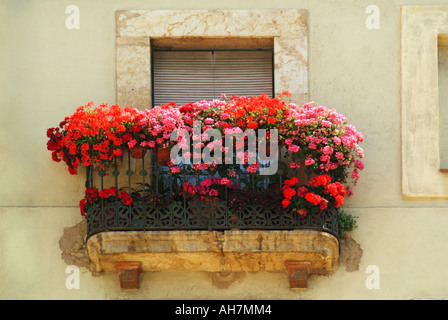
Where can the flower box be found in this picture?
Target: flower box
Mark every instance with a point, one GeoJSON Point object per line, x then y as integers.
{"type": "Point", "coordinates": [248, 166]}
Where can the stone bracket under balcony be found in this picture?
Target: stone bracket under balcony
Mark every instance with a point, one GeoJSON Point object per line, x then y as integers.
{"type": "Point", "coordinates": [299, 253]}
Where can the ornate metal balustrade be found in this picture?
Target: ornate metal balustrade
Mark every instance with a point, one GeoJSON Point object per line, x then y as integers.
{"type": "Point", "coordinates": [157, 205]}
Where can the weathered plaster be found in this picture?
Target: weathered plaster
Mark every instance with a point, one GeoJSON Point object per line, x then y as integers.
{"type": "Point", "coordinates": [74, 247]}
{"type": "Point", "coordinates": [350, 254]}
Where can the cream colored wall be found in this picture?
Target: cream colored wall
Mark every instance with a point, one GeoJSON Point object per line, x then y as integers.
{"type": "Point", "coordinates": [48, 70]}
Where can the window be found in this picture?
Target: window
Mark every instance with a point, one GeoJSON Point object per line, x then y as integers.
{"type": "Point", "coordinates": [422, 102]}
{"type": "Point", "coordinates": [443, 101]}
{"type": "Point", "coordinates": [184, 76]}
{"type": "Point", "coordinates": [140, 32]}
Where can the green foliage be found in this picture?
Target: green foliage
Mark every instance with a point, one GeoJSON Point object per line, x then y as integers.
{"type": "Point", "coordinates": [346, 222]}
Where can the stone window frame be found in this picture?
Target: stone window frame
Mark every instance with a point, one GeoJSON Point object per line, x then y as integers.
{"type": "Point", "coordinates": [137, 29]}
{"type": "Point", "coordinates": [423, 28]}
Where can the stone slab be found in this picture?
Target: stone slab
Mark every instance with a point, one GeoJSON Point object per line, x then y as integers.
{"type": "Point", "coordinates": [215, 251]}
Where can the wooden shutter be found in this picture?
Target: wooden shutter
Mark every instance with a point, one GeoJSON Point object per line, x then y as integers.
{"type": "Point", "coordinates": [188, 76]}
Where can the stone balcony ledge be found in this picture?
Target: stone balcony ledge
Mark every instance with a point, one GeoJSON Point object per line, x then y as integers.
{"type": "Point", "coordinates": [217, 251]}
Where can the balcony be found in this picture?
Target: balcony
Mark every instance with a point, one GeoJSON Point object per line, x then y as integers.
{"type": "Point", "coordinates": [255, 212]}
{"type": "Point", "coordinates": [164, 229]}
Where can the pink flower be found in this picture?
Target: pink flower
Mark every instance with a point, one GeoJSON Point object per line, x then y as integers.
{"type": "Point", "coordinates": [332, 166]}
{"type": "Point", "coordinates": [355, 174]}
{"type": "Point", "coordinates": [132, 143]}
{"type": "Point", "coordinates": [309, 161]}
{"type": "Point", "coordinates": [294, 165]}
{"type": "Point", "coordinates": [150, 144]}
{"type": "Point", "coordinates": [360, 153]}
{"type": "Point", "coordinates": [359, 136]}
{"type": "Point", "coordinates": [339, 155]}
{"type": "Point", "coordinates": [209, 121]}
{"type": "Point", "coordinates": [324, 158]}
{"type": "Point", "coordinates": [293, 148]}
{"type": "Point", "coordinates": [206, 183]}
{"type": "Point", "coordinates": [225, 181]}
{"type": "Point", "coordinates": [337, 140]}
{"type": "Point", "coordinates": [349, 191]}
{"type": "Point", "coordinates": [188, 187]}
{"type": "Point", "coordinates": [328, 150]}
{"type": "Point", "coordinates": [288, 141]}
{"type": "Point", "coordinates": [252, 168]}
{"type": "Point", "coordinates": [175, 169]}
{"type": "Point", "coordinates": [326, 123]}
{"type": "Point", "coordinates": [359, 164]}
{"type": "Point", "coordinates": [225, 116]}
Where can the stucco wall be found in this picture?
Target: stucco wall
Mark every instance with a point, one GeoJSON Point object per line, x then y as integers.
{"type": "Point", "coordinates": [48, 70]}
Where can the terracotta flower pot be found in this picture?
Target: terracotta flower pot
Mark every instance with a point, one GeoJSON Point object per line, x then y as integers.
{"type": "Point", "coordinates": [138, 152]}
{"type": "Point", "coordinates": [163, 156]}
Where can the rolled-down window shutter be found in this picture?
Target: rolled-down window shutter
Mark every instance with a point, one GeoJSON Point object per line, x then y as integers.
{"type": "Point", "coordinates": [189, 76]}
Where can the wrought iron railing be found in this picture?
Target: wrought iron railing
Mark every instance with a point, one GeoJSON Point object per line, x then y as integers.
{"type": "Point", "coordinates": [157, 205]}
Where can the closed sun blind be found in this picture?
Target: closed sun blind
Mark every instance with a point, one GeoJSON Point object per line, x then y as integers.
{"type": "Point", "coordinates": [189, 76]}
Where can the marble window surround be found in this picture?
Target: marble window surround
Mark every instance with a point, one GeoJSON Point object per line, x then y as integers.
{"type": "Point", "coordinates": [423, 29]}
